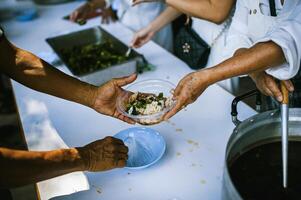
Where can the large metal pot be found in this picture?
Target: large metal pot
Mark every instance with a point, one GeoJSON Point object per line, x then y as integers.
{"type": "Point", "coordinates": [257, 130]}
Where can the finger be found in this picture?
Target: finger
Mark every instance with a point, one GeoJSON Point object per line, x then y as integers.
{"type": "Point", "coordinates": [274, 88]}
{"type": "Point", "coordinates": [124, 118]}
{"type": "Point", "coordinates": [113, 140]}
{"type": "Point", "coordinates": [74, 16]}
{"type": "Point", "coordinates": [173, 111]}
{"type": "Point", "coordinates": [116, 148]}
{"type": "Point", "coordinates": [121, 163]}
{"type": "Point", "coordinates": [115, 156]}
{"type": "Point", "coordinates": [125, 80]}
{"type": "Point", "coordinates": [134, 41]}
{"type": "Point", "coordinates": [137, 2]}
{"type": "Point", "coordinates": [289, 85]}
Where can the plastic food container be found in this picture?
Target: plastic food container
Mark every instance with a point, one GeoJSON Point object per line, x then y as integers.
{"type": "Point", "coordinates": [154, 86]}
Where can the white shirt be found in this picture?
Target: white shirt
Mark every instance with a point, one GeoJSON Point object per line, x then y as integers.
{"type": "Point", "coordinates": [251, 26]}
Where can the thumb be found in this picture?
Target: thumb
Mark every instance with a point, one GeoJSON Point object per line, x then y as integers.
{"type": "Point", "coordinates": [125, 80]}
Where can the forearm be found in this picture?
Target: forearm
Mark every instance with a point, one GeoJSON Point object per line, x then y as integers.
{"type": "Point", "coordinates": [25, 167]}
{"type": "Point", "coordinates": [212, 10]}
{"type": "Point", "coordinates": [167, 16]}
{"type": "Point", "coordinates": [35, 73]}
{"type": "Point", "coordinates": [257, 58]}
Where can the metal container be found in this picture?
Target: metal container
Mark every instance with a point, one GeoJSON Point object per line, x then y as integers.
{"type": "Point", "coordinates": [92, 36]}
{"type": "Point", "coordinates": [260, 129]}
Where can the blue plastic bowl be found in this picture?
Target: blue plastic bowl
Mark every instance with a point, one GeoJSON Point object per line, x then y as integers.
{"type": "Point", "coordinates": [148, 149]}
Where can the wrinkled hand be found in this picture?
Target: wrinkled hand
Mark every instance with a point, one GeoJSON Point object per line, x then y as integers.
{"type": "Point", "coordinates": [82, 12]}
{"type": "Point", "coordinates": [188, 90]}
{"type": "Point", "coordinates": [102, 155]}
{"type": "Point", "coordinates": [141, 37]}
{"type": "Point", "coordinates": [105, 97]}
{"type": "Point", "coordinates": [136, 2]}
{"type": "Point", "coordinates": [268, 85]}
{"type": "Point", "coordinates": [107, 16]}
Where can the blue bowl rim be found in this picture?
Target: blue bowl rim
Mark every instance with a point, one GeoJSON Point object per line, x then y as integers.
{"type": "Point", "coordinates": [153, 131]}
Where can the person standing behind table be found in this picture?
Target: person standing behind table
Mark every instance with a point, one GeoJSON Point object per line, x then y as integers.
{"type": "Point", "coordinates": [19, 167]}
{"type": "Point", "coordinates": [134, 18]}
{"type": "Point", "coordinates": [208, 21]}
{"type": "Point", "coordinates": [254, 23]}
{"type": "Point", "coordinates": [265, 47]}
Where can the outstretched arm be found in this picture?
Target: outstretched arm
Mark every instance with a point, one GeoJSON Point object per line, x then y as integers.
{"type": "Point", "coordinates": [35, 73]}
{"type": "Point", "coordinates": [257, 58]}
{"type": "Point", "coordinates": [144, 35]}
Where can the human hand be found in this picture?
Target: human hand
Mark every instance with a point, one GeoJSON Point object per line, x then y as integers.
{"type": "Point", "coordinates": [142, 36]}
{"type": "Point", "coordinates": [136, 2]}
{"type": "Point", "coordinates": [104, 154]}
{"type": "Point", "coordinates": [188, 90]}
{"type": "Point", "coordinates": [105, 97]}
{"type": "Point", "coordinates": [268, 85]}
{"type": "Point", "coordinates": [107, 16]}
{"type": "Point", "coordinates": [82, 12]}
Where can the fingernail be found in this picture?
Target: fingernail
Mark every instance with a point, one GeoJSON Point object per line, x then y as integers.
{"type": "Point", "coordinates": [279, 98]}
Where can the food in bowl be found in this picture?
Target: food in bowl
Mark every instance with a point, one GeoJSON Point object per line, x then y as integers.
{"type": "Point", "coordinates": [147, 101]}
{"type": "Point", "coordinates": [147, 104]}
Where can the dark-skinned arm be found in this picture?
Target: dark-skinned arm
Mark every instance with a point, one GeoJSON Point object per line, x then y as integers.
{"type": "Point", "coordinates": [28, 69]}
{"type": "Point", "coordinates": [24, 167]}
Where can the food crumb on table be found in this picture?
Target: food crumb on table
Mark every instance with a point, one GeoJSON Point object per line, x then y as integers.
{"type": "Point", "coordinates": [203, 181]}
{"type": "Point", "coordinates": [190, 142]}
{"type": "Point", "coordinates": [179, 130]}
{"type": "Point", "coordinates": [178, 153]}
{"type": "Point", "coordinates": [98, 189]}
{"type": "Point", "coordinates": [193, 165]}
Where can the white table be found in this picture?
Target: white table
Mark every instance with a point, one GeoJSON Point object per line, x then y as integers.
{"type": "Point", "coordinates": [196, 139]}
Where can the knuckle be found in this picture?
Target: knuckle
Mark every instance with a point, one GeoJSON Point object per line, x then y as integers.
{"type": "Point", "coordinates": [109, 139]}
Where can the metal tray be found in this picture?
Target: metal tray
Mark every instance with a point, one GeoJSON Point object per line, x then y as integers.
{"type": "Point", "coordinates": [92, 36]}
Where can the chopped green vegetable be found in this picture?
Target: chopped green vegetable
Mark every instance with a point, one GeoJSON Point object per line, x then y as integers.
{"type": "Point", "coordinates": [90, 58]}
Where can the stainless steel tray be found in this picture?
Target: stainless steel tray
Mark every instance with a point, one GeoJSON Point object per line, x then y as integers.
{"type": "Point", "coordinates": [92, 36]}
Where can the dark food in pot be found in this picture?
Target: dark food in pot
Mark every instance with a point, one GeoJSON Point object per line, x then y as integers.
{"type": "Point", "coordinates": [257, 173]}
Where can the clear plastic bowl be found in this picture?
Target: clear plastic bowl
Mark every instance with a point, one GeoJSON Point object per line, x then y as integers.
{"type": "Point", "coordinates": [154, 86]}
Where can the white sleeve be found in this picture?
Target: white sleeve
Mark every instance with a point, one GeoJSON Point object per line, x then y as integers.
{"type": "Point", "coordinates": [287, 34]}
{"type": "Point", "coordinates": [237, 36]}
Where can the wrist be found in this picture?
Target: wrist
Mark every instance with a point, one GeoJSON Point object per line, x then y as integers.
{"type": "Point", "coordinates": [90, 92]}
{"type": "Point", "coordinates": [77, 161]}
{"type": "Point", "coordinates": [84, 155]}
{"type": "Point", "coordinates": [205, 77]}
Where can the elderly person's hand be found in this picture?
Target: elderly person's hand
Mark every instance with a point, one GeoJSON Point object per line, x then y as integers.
{"type": "Point", "coordinates": [142, 36]}
{"type": "Point", "coordinates": [188, 90]}
{"type": "Point", "coordinates": [105, 97]}
{"type": "Point", "coordinates": [268, 85]}
{"type": "Point", "coordinates": [102, 155]}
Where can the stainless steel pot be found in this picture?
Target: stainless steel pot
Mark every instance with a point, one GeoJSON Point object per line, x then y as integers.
{"type": "Point", "coordinates": [257, 130]}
